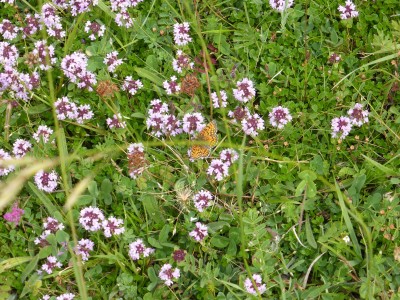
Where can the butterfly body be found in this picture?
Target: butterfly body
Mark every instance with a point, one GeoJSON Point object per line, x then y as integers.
{"type": "Point", "coordinates": [208, 137]}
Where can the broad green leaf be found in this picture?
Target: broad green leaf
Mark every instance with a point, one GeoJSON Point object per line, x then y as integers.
{"type": "Point", "coordinates": [219, 241]}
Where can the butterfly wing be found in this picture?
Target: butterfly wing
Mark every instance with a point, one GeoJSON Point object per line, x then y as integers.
{"type": "Point", "coordinates": [198, 151]}
{"type": "Point", "coordinates": [209, 134]}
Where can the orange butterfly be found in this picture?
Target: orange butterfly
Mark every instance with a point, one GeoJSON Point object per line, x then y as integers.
{"type": "Point", "coordinates": [208, 135]}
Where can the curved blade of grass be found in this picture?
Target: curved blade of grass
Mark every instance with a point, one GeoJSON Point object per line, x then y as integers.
{"type": "Point", "coordinates": [348, 222]}
{"type": "Point", "coordinates": [386, 170]}
{"type": "Point", "coordinates": [13, 262]}
{"type": "Point", "coordinates": [77, 191]}
{"type": "Point", "coordinates": [149, 75]}
{"type": "Point", "coordinates": [44, 199]}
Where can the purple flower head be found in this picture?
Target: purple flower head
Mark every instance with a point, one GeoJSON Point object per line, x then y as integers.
{"type": "Point", "coordinates": [280, 5]}
{"type": "Point", "coordinates": [279, 117]}
{"type": "Point", "coordinates": [221, 101]}
{"type": "Point", "coordinates": [116, 122]}
{"type": "Point", "coordinates": [250, 287]}
{"type": "Point", "coordinates": [83, 113]}
{"type": "Point", "coordinates": [179, 255]}
{"type": "Point", "coordinates": [81, 6]}
{"type": "Point", "coordinates": [62, 4]}
{"type": "Point", "coordinates": [348, 11]}
{"type": "Point", "coordinates": [131, 86]}
{"type": "Point", "coordinates": [137, 249]}
{"type": "Point", "coordinates": [86, 80]}
{"type": "Point", "coordinates": [252, 124]}
{"type": "Point", "coordinates": [65, 108]}
{"type": "Point", "coordinates": [358, 115]}
{"type": "Point", "coordinates": [244, 90]}
{"type": "Point", "coordinates": [83, 248]}
{"type": "Point", "coordinates": [181, 62]}
{"type": "Point", "coordinates": [156, 123]}
{"type": "Point", "coordinates": [21, 148]}
{"type": "Point", "coordinates": [171, 126]}
{"type": "Point", "coordinates": [32, 25]}
{"type": "Point", "coordinates": [52, 225]}
{"type": "Point", "coordinates": [228, 156]}
{"type": "Point", "coordinates": [157, 106]}
{"type": "Point", "coordinates": [8, 30]}
{"type": "Point", "coordinates": [5, 170]}
{"type": "Point", "coordinates": [8, 54]}
{"type": "Point", "coordinates": [50, 265]}
{"type": "Point", "coordinates": [67, 296]}
{"type": "Point", "coordinates": [200, 232]}
{"type": "Point", "coordinates": [94, 29]}
{"type": "Point", "coordinates": [113, 226]}
{"type": "Point", "coordinates": [171, 87]}
{"type": "Point", "coordinates": [73, 65]}
{"type": "Point", "coordinates": [202, 200]}
{"type": "Point", "coordinates": [181, 34]}
{"type": "Point", "coordinates": [41, 51]}
{"type": "Point", "coordinates": [167, 274]}
{"type": "Point", "coordinates": [91, 218]}
{"type": "Point", "coordinates": [239, 113]}
{"type": "Point", "coordinates": [124, 19]}
{"type": "Point", "coordinates": [218, 169]}
{"type": "Point", "coordinates": [334, 58]}
{"type": "Point", "coordinates": [341, 127]}
{"type": "Point", "coordinates": [46, 181]}
{"type": "Point", "coordinates": [193, 123]}
{"type": "Point", "coordinates": [41, 241]}
{"type": "Point", "coordinates": [112, 61]}
{"type": "Point", "coordinates": [43, 134]}
{"type": "Point", "coordinates": [14, 216]}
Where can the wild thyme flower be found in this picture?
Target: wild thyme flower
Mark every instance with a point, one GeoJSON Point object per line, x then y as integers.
{"type": "Point", "coordinates": [200, 232]}
{"type": "Point", "coordinates": [46, 181]}
{"type": "Point", "coordinates": [81, 6]}
{"type": "Point", "coordinates": [131, 86]}
{"type": "Point", "coordinates": [41, 241]}
{"type": "Point", "coordinates": [244, 91]}
{"type": "Point", "coordinates": [181, 34]}
{"type": "Point", "coordinates": [167, 274]}
{"type": "Point", "coordinates": [5, 170]}
{"type": "Point", "coordinates": [123, 19]}
{"type": "Point", "coordinates": [229, 156]}
{"type": "Point", "coordinates": [239, 113]}
{"type": "Point", "coordinates": [52, 225]}
{"type": "Point", "coordinates": [171, 87]}
{"type": "Point", "coordinates": [83, 113]}
{"type": "Point", "coordinates": [87, 80]}
{"type": "Point", "coordinates": [136, 160]}
{"type": "Point", "coordinates": [348, 11]}
{"type": "Point", "coordinates": [14, 216]}
{"type": "Point", "coordinates": [334, 58]}
{"type": "Point", "coordinates": [73, 65]}
{"type": "Point", "coordinates": [171, 125]}
{"type": "Point", "coordinates": [157, 106]}
{"type": "Point", "coordinates": [41, 51]}
{"type": "Point", "coordinates": [341, 127]}
{"type": "Point", "coordinates": [94, 29]}
{"type": "Point", "coordinates": [67, 296]}
{"type": "Point", "coordinates": [179, 255]}
{"type": "Point", "coordinates": [8, 54]}
{"type": "Point", "coordinates": [21, 148]}
{"type": "Point", "coordinates": [50, 264]}
{"type": "Point", "coordinates": [280, 5]}
{"type": "Point", "coordinates": [250, 287]}
{"type": "Point", "coordinates": [202, 200]}
{"type": "Point", "coordinates": [137, 249]}
{"type": "Point", "coordinates": [8, 30]}
{"type": "Point", "coordinates": [32, 25]}
{"type": "Point", "coordinates": [193, 123]}
{"type": "Point", "coordinates": [112, 61]}
{"type": "Point", "coordinates": [43, 133]}
{"type": "Point", "coordinates": [252, 124]}
{"type": "Point", "coordinates": [113, 226]}
{"type": "Point", "coordinates": [91, 218]}
{"type": "Point", "coordinates": [17, 83]}
{"type": "Point", "coordinates": [357, 115]}
{"type": "Point", "coordinates": [83, 248]}
{"type": "Point", "coordinates": [218, 169]}
{"type": "Point", "coordinates": [123, 5]}
{"type": "Point", "coordinates": [156, 122]}
{"type": "Point", "coordinates": [116, 122]}
{"type": "Point", "coordinates": [219, 102]}
{"type": "Point", "coordinates": [65, 108]}
{"type": "Point", "coordinates": [63, 4]}
{"type": "Point", "coordinates": [279, 117]}
{"type": "Point", "coordinates": [181, 62]}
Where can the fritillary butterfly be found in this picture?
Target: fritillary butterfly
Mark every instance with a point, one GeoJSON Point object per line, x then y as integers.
{"type": "Point", "coordinates": [208, 135]}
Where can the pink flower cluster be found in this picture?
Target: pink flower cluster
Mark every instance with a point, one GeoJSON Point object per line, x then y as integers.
{"type": "Point", "coordinates": [50, 264]}
{"type": "Point", "coordinates": [92, 219]}
{"type": "Point", "coordinates": [74, 67]}
{"type": "Point", "coordinates": [94, 29]}
{"type": "Point", "coordinates": [219, 168]}
{"type": "Point", "coordinates": [281, 5]}
{"type": "Point", "coordinates": [21, 148]}
{"type": "Point", "coordinates": [202, 200]}
{"type": "Point", "coordinates": [66, 296]}
{"type": "Point", "coordinates": [45, 55]}
{"type": "Point", "coordinates": [279, 117]}
{"type": "Point", "coordinates": [248, 284]}
{"type": "Point", "coordinates": [348, 11]}
{"type": "Point", "coordinates": [131, 86]}
{"type": "Point", "coordinates": [138, 249]}
{"type": "Point", "coordinates": [14, 216]}
{"type": "Point", "coordinates": [67, 109]}
{"type": "Point", "coordinates": [220, 101]}
{"type": "Point", "coordinates": [43, 133]}
{"type": "Point", "coordinates": [181, 62]}
{"type": "Point", "coordinates": [50, 226]}
{"type": "Point", "coordinates": [171, 87]}
{"type": "Point", "coordinates": [122, 17]}
{"type": "Point", "coordinates": [200, 232]}
{"type": "Point", "coordinates": [52, 21]}
{"type": "Point", "coordinates": [116, 122]}
{"type": "Point", "coordinates": [112, 61]}
{"type": "Point", "coordinates": [160, 121]}
{"type": "Point", "coordinates": [167, 274]}
{"type": "Point", "coordinates": [244, 91]}
{"type": "Point", "coordinates": [83, 248]}
{"type": "Point", "coordinates": [5, 170]}
{"type": "Point", "coordinates": [46, 181]}
{"type": "Point", "coordinates": [342, 126]}
{"type": "Point", "coordinates": [181, 34]}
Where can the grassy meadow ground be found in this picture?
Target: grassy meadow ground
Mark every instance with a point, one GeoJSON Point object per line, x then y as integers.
{"type": "Point", "coordinates": [199, 149]}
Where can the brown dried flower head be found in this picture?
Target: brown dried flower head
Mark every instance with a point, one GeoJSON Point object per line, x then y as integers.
{"type": "Point", "coordinates": [106, 88]}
